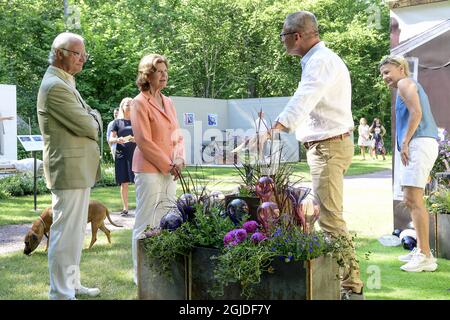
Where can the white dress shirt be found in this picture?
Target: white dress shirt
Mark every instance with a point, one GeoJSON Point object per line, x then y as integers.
{"type": "Point", "coordinates": [321, 106]}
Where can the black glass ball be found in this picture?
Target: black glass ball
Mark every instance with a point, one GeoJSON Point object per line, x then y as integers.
{"type": "Point", "coordinates": [171, 220]}
{"type": "Point", "coordinates": [185, 205]}
{"type": "Point", "coordinates": [409, 243]}
{"type": "Point", "coordinates": [397, 232]}
{"type": "Point", "coordinates": [236, 209]}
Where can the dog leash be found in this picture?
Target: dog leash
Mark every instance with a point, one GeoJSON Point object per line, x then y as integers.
{"type": "Point", "coordinates": [42, 220]}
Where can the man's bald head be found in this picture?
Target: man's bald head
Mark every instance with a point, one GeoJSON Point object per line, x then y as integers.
{"type": "Point", "coordinates": [304, 22]}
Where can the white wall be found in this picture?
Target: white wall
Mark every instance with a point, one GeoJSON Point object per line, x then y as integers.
{"type": "Point", "coordinates": [8, 136]}
{"type": "Point", "coordinates": [233, 116]}
{"type": "Point", "coordinates": [417, 19]}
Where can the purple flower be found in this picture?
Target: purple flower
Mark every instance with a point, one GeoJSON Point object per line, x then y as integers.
{"type": "Point", "coordinates": [229, 237]}
{"type": "Point", "coordinates": [258, 237]}
{"type": "Point", "coordinates": [250, 226]}
{"type": "Point", "coordinates": [241, 235]}
{"type": "Point", "coordinates": [234, 237]}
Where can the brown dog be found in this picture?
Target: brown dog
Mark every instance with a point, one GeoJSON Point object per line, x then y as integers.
{"type": "Point", "coordinates": [97, 214]}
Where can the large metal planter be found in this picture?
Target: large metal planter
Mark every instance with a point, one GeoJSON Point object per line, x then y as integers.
{"type": "Point", "coordinates": [440, 235]}
{"type": "Point", "coordinates": [192, 277]}
{"type": "Point", "coordinates": [152, 285]}
{"type": "Point", "coordinates": [201, 276]}
{"type": "Point", "coordinates": [290, 281]}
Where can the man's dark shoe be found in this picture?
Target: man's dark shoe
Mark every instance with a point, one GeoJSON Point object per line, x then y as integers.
{"type": "Point", "coordinates": [348, 294]}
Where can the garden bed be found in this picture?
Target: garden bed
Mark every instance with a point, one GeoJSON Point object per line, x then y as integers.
{"type": "Point", "coordinates": [191, 278]}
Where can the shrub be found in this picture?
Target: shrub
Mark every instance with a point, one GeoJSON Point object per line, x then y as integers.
{"type": "Point", "coordinates": [22, 184]}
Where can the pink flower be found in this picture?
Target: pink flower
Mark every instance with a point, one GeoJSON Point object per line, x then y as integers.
{"type": "Point", "coordinates": [250, 226]}
{"type": "Point", "coordinates": [258, 237]}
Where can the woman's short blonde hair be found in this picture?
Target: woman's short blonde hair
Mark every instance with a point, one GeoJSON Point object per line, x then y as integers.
{"type": "Point", "coordinates": [397, 61]}
{"type": "Point", "coordinates": [122, 105]}
{"type": "Point", "coordinates": [147, 66]}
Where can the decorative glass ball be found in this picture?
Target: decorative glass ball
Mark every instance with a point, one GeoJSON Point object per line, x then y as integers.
{"type": "Point", "coordinates": [268, 213]}
{"type": "Point", "coordinates": [409, 243]}
{"type": "Point", "coordinates": [264, 188]}
{"type": "Point", "coordinates": [185, 205]}
{"type": "Point", "coordinates": [236, 209]}
{"type": "Point", "coordinates": [214, 199]}
{"type": "Point", "coordinates": [171, 220]}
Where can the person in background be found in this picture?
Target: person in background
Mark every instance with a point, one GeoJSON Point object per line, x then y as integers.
{"type": "Point", "coordinates": [122, 136]}
{"type": "Point", "coordinates": [377, 132]}
{"type": "Point", "coordinates": [320, 114]}
{"type": "Point", "coordinates": [70, 129]}
{"type": "Point", "coordinates": [159, 155]}
{"type": "Point", "coordinates": [416, 140]}
{"type": "Point", "coordinates": [363, 137]}
{"type": "Point", "coordinates": [108, 133]}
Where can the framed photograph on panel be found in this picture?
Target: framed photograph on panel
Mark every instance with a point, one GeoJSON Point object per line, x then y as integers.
{"type": "Point", "coordinates": [212, 119]}
{"type": "Point", "coordinates": [189, 119]}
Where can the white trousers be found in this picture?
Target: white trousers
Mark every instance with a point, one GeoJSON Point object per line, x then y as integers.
{"type": "Point", "coordinates": [155, 193]}
{"type": "Point", "coordinates": [70, 212]}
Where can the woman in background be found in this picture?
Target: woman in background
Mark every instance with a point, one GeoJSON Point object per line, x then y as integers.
{"type": "Point", "coordinates": [363, 137]}
{"type": "Point", "coordinates": [377, 131]}
{"type": "Point", "coordinates": [122, 136]}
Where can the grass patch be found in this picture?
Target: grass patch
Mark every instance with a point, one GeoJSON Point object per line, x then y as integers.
{"type": "Point", "coordinates": [109, 267]}
{"type": "Point", "coordinates": [384, 280]}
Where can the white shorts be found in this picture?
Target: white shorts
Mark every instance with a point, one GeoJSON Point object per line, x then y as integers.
{"type": "Point", "coordinates": [423, 153]}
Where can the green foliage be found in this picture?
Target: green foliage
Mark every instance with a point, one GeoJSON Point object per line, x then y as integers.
{"type": "Point", "coordinates": [22, 184]}
{"type": "Point", "coordinates": [443, 159]}
{"type": "Point", "coordinates": [108, 178]}
{"type": "Point", "coordinates": [243, 264]}
{"type": "Point", "coordinates": [216, 48]}
{"type": "Point", "coordinates": [438, 201]}
{"type": "Point", "coordinates": [207, 229]}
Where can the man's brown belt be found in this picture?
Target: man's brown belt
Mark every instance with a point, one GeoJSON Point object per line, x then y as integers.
{"type": "Point", "coordinates": [309, 144]}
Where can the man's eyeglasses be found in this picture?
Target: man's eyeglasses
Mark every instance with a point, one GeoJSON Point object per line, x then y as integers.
{"type": "Point", "coordinates": [283, 34]}
{"type": "Point", "coordinates": [85, 56]}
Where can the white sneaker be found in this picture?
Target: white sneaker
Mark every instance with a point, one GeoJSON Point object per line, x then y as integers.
{"type": "Point", "coordinates": [419, 262]}
{"type": "Point", "coordinates": [408, 257]}
{"type": "Point", "coordinates": [92, 292]}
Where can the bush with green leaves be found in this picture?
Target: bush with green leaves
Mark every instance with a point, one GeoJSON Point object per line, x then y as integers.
{"type": "Point", "coordinates": [22, 184]}
{"type": "Point", "coordinates": [108, 177]}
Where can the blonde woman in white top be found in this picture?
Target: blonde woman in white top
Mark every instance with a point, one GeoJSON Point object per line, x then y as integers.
{"type": "Point", "coordinates": [364, 137]}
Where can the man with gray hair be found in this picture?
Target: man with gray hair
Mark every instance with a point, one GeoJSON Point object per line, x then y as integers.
{"type": "Point", "coordinates": [320, 114]}
{"type": "Point", "coordinates": [70, 129]}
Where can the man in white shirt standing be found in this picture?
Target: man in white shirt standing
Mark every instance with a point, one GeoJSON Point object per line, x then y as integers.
{"type": "Point", "coordinates": [320, 114]}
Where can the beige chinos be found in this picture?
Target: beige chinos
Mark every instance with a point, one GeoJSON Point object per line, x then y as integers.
{"type": "Point", "coordinates": [328, 162]}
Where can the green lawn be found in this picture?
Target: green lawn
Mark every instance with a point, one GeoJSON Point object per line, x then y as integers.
{"type": "Point", "coordinates": [110, 268]}
{"type": "Point", "coordinates": [20, 210]}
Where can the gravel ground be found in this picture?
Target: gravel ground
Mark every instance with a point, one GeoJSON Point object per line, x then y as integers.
{"type": "Point", "coordinates": [12, 236]}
